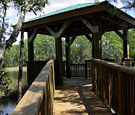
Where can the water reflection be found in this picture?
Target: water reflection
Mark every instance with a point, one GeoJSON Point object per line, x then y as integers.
{"type": "Point", "coordinates": [8, 103]}
{"type": "Point", "coordinates": [8, 108]}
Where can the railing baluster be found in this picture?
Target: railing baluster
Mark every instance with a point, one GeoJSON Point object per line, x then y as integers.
{"type": "Point", "coordinates": [115, 84]}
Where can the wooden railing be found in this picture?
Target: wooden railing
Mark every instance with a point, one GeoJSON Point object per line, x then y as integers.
{"type": "Point", "coordinates": [88, 68]}
{"type": "Point", "coordinates": [79, 70]}
{"type": "Point", "coordinates": [115, 84]}
{"type": "Point", "coordinates": [38, 100]}
{"type": "Point", "coordinates": [33, 69]}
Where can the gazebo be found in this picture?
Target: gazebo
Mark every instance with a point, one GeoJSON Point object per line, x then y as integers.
{"type": "Point", "coordinates": [113, 83]}
{"type": "Point", "coordinates": [81, 19]}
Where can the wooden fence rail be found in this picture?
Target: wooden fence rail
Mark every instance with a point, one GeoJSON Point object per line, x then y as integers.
{"type": "Point", "coordinates": [79, 70]}
{"type": "Point", "coordinates": [38, 100]}
{"type": "Point", "coordinates": [115, 84]}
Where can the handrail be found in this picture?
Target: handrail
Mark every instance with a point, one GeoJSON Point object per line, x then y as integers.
{"type": "Point", "coordinates": [115, 84]}
{"type": "Point", "coordinates": [39, 97]}
{"type": "Point", "coordinates": [116, 66]}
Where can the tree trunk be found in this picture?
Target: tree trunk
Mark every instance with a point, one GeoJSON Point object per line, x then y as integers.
{"type": "Point", "coordinates": [16, 31]}
{"type": "Point", "coordinates": [2, 49]}
{"type": "Point", "coordinates": [12, 39]}
{"type": "Point", "coordinates": [3, 25]}
{"type": "Point", "coordinates": [20, 66]}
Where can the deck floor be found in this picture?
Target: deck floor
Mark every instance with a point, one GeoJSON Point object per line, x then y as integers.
{"type": "Point", "coordinates": [75, 97]}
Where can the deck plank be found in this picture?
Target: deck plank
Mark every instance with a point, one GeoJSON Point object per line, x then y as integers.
{"type": "Point", "coordinates": [76, 97]}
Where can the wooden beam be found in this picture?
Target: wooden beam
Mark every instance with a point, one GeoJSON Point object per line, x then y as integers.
{"type": "Point", "coordinates": [94, 29]}
{"type": "Point", "coordinates": [33, 35]}
{"type": "Point", "coordinates": [61, 31]}
{"type": "Point", "coordinates": [68, 57]}
{"type": "Point", "coordinates": [119, 34]}
{"type": "Point", "coordinates": [64, 16]}
{"type": "Point", "coordinates": [59, 67]}
{"type": "Point", "coordinates": [50, 30]}
{"type": "Point", "coordinates": [120, 14]}
{"type": "Point", "coordinates": [114, 21]}
{"type": "Point", "coordinates": [72, 40]}
{"type": "Point", "coordinates": [30, 51]}
{"type": "Point", "coordinates": [97, 43]}
{"type": "Point", "coordinates": [125, 44]}
{"type": "Point", "coordinates": [89, 38]}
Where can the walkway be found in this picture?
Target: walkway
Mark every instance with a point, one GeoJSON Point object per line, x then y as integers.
{"type": "Point", "coordinates": [75, 97]}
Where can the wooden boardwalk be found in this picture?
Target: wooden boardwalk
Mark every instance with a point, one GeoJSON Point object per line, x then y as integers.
{"type": "Point", "coordinates": [75, 97]}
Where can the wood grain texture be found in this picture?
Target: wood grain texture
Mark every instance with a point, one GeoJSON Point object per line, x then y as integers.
{"type": "Point", "coordinates": [115, 84]}
{"type": "Point", "coordinates": [38, 100]}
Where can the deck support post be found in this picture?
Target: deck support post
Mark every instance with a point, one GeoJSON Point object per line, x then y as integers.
{"type": "Point", "coordinates": [97, 43]}
{"type": "Point", "coordinates": [58, 65]}
{"type": "Point", "coordinates": [125, 44]}
{"type": "Point", "coordinates": [31, 38]}
{"type": "Point", "coordinates": [68, 57]}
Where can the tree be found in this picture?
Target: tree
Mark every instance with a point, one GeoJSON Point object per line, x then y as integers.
{"type": "Point", "coordinates": [23, 6]}
{"type": "Point", "coordinates": [81, 50]}
{"type": "Point", "coordinates": [44, 47]}
{"type": "Point", "coordinates": [132, 43]}
{"type": "Point", "coordinates": [112, 46]}
{"type": "Point", "coordinates": [21, 66]}
{"type": "Point", "coordinates": [128, 4]}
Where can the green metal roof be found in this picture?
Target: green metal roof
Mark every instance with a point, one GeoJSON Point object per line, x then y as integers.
{"type": "Point", "coordinates": [70, 8]}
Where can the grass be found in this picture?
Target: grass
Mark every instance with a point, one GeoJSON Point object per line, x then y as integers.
{"type": "Point", "coordinates": [13, 75]}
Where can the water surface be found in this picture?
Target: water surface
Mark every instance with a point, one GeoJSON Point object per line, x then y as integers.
{"type": "Point", "coordinates": [8, 103]}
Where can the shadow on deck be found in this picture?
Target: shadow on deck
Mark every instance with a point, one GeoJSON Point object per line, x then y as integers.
{"type": "Point", "coordinates": [76, 97]}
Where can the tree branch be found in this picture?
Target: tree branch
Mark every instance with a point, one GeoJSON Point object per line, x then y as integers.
{"type": "Point", "coordinates": [16, 31]}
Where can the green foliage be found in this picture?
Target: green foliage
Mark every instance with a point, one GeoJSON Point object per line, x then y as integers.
{"type": "Point", "coordinates": [132, 43]}
{"type": "Point", "coordinates": [29, 5]}
{"type": "Point", "coordinates": [11, 55]}
{"type": "Point", "coordinates": [44, 47]}
{"type": "Point", "coordinates": [81, 50]}
{"type": "Point", "coordinates": [112, 46]}
{"type": "Point", "coordinates": [4, 82]}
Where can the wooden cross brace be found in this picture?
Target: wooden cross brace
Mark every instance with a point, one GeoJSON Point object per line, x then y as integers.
{"type": "Point", "coordinates": [121, 35]}
{"type": "Point", "coordinates": [33, 35]}
{"type": "Point", "coordinates": [60, 32]}
{"type": "Point", "coordinates": [94, 29]}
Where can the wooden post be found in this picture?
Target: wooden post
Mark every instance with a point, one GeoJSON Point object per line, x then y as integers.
{"type": "Point", "coordinates": [92, 47]}
{"type": "Point", "coordinates": [86, 75]}
{"type": "Point", "coordinates": [58, 65]}
{"type": "Point", "coordinates": [97, 47]}
{"type": "Point", "coordinates": [30, 51]}
{"type": "Point", "coordinates": [125, 44]}
{"type": "Point", "coordinates": [68, 57]}
{"type": "Point", "coordinates": [31, 37]}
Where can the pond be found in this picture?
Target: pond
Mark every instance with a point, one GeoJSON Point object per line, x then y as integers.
{"type": "Point", "coordinates": [8, 103]}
